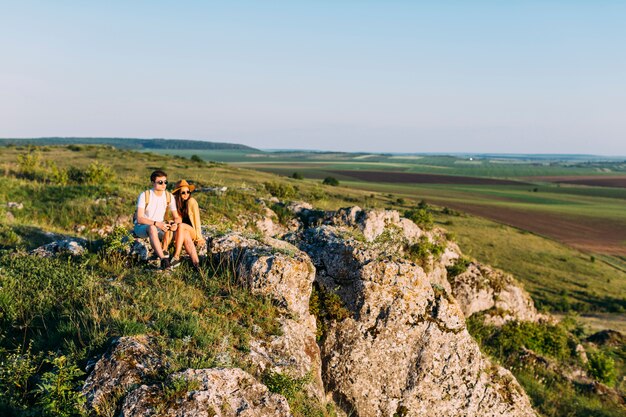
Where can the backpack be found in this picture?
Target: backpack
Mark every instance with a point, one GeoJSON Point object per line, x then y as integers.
{"type": "Point", "coordinates": [146, 194]}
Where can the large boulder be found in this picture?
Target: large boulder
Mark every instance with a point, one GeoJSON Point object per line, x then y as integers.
{"type": "Point", "coordinates": [281, 271]}
{"type": "Point", "coordinates": [405, 349]}
{"type": "Point", "coordinates": [483, 288]}
{"type": "Point", "coordinates": [128, 362]}
{"type": "Point", "coordinates": [206, 393]}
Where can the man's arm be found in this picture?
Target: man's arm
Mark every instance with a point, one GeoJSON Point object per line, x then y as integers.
{"type": "Point", "coordinates": [141, 219]}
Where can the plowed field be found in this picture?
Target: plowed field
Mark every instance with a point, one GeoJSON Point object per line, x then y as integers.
{"type": "Point", "coordinates": [604, 181]}
{"type": "Point", "coordinates": [587, 234]}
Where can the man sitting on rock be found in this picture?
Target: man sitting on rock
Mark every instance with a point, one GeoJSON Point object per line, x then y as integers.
{"type": "Point", "coordinates": [149, 219]}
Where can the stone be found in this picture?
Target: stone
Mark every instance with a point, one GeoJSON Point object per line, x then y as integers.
{"type": "Point", "coordinates": [281, 271]}
{"type": "Point", "coordinates": [482, 288]}
{"type": "Point", "coordinates": [15, 205]}
{"type": "Point", "coordinates": [212, 392]}
{"type": "Point", "coordinates": [404, 349]}
{"type": "Point", "coordinates": [73, 247]}
{"type": "Point", "coordinates": [128, 362]}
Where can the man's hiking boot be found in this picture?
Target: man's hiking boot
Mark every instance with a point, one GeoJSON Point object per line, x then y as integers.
{"type": "Point", "coordinates": [165, 263]}
{"type": "Point", "coordinates": [174, 263]}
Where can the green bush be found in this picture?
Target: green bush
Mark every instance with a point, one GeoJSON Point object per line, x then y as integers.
{"type": "Point", "coordinates": [59, 390]}
{"type": "Point", "coordinates": [602, 367]}
{"type": "Point", "coordinates": [297, 176]}
{"type": "Point", "coordinates": [422, 251]}
{"type": "Point", "coordinates": [281, 190]}
{"type": "Point", "coordinates": [421, 217]}
{"type": "Point", "coordinates": [332, 181]}
{"type": "Point", "coordinates": [197, 159]}
{"type": "Point", "coordinates": [294, 390]}
{"type": "Point", "coordinates": [99, 174]}
{"type": "Point", "coordinates": [458, 267]}
{"type": "Point", "coordinates": [326, 306]}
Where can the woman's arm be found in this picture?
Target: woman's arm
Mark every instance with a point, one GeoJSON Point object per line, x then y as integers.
{"type": "Point", "coordinates": [194, 216]}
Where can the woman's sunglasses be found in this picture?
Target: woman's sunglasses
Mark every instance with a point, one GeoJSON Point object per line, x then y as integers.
{"type": "Point", "coordinates": [185, 192]}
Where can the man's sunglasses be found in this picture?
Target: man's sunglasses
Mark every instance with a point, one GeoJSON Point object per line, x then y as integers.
{"type": "Point", "coordinates": [161, 182]}
{"type": "Point", "coordinates": [185, 192]}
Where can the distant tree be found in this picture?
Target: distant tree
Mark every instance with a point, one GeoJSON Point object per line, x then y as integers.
{"type": "Point", "coordinates": [331, 181]}
{"type": "Point", "coordinates": [297, 176]}
{"type": "Point", "coordinates": [197, 159]}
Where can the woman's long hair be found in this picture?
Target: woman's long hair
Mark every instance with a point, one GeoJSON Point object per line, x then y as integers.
{"type": "Point", "coordinates": [181, 205]}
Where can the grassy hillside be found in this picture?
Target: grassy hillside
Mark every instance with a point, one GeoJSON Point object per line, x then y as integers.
{"type": "Point", "coordinates": [56, 314]}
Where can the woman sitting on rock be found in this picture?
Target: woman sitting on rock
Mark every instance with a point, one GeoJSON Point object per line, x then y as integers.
{"type": "Point", "coordinates": [188, 232]}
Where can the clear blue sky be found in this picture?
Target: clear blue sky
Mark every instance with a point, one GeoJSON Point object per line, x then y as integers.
{"type": "Point", "coordinates": [398, 76]}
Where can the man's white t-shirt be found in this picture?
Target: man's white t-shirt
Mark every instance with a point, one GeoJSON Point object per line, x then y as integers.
{"type": "Point", "coordinates": [157, 205]}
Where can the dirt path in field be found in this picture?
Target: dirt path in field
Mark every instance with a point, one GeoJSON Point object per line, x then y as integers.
{"type": "Point", "coordinates": [589, 235]}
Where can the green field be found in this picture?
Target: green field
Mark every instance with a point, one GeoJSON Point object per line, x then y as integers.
{"type": "Point", "coordinates": [566, 243]}
{"type": "Point", "coordinates": [73, 314]}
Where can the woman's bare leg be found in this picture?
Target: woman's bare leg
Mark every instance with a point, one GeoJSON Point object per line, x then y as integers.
{"type": "Point", "coordinates": [183, 234]}
{"type": "Point", "coordinates": [190, 247]}
{"type": "Point", "coordinates": [179, 238]}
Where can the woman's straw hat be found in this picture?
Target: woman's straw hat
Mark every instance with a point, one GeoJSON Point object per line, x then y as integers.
{"type": "Point", "coordinates": [182, 184]}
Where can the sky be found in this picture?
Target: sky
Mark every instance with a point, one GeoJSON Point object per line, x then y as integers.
{"type": "Point", "coordinates": [377, 76]}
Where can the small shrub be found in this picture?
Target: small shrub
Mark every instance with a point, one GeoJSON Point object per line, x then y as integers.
{"type": "Point", "coordinates": [421, 217]}
{"type": "Point", "coordinates": [178, 387]}
{"type": "Point", "coordinates": [458, 267]}
{"type": "Point", "coordinates": [197, 159]}
{"type": "Point", "coordinates": [282, 212]}
{"type": "Point", "coordinates": [99, 174]}
{"type": "Point", "coordinates": [59, 390]}
{"type": "Point", "coordinates": [422, 251]}
{"type": "Point", "coordinates": [16, 370]}
{"type": "Point", "coordinates": [297, 176]}
{"type": "Point", "coordinates": [326, 306]}
{"type": "Point", "coordinates": [602, 367]}
{"type": "Point", "coordinates": [332, 181]}
{"type": "Point", "coordinates": [281, 190]}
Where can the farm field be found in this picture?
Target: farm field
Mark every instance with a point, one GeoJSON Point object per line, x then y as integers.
{"type": "Point", "coordinates": [565, 241]}
{"type": "Point", "coordinates": [578, 203]}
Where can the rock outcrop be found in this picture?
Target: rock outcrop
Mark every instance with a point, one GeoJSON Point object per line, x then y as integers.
{"type": "Point", "coordinates": [405, 349]}
{"type": "Point", "coordinates": [73, 247]}
{"type": "Point", "coordinates": [128, 362]}
{"type": "Point", "coordinates": [401, 348]}
{"type": "Point", "coordinates": [206, 393]}
{"type": "Point", "coordinates": [482, 288]}
{"type": "Point", "coordinates": [281, 271]}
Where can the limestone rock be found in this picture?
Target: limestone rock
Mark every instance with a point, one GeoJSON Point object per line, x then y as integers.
{"type": "Point", "coordinates": [15, 205]}
{"type": "Point", "coordinates": [129, 361]}
{"type": "Point", "coordinates": [405, 349]}
{"type": "Point", "coordinates": [268, 224]}
{"type": "Point", "coordinates": [482, 288]}
{"type": "Point", "coordinates": [212, 392]}
{"type": "Point", "coordinates": [281, 271]}
{"type": "Point", "coordinates": [74, 247]}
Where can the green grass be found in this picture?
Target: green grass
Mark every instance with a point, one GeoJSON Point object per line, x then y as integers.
{"type": "Point", "coordinates": [208, 320]}
{"type": "Point", "coordinates": [73, 307]}
{"type": "Point", "coordinates": [551, 393]}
